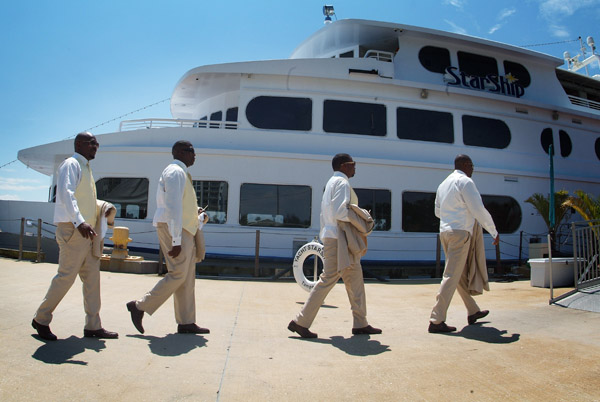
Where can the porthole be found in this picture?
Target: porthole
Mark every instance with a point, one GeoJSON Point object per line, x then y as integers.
{"type": "Point", "coordinates": [597, 148]}
{"type": "Point", "coordinates": [546, 139]}
{"type": "Point", "coordinates": [566, 146]}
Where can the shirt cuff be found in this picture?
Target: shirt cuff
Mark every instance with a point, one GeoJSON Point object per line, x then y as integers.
{"type": "Point", "coordinates": [78, 220]}
{"type": "Point", "coordinates": [176, 241]}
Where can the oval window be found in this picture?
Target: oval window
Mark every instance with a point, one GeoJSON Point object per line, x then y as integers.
{"type": "Point", "coordinates": [546, 139]}
{"type": "Point", "coordinates": [566, 146]}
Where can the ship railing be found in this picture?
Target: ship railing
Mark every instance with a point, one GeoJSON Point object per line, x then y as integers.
{"type": "Point", "coordinates": [575, 100]}
{"type": "Point", "coordinates": [140, 124]}
{"type": "Point", "coordinates": [380, 55]}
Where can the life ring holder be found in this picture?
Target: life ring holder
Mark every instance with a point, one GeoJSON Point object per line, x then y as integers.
{"type": "Point", "coordinates": [312, 248]}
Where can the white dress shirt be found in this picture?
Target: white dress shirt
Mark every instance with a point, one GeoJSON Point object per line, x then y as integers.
{"type": "Point", "coordinates": [69, 177]}
{"type": "Point", "coordinates": [334, 206]}
{"type": "Point", "coordinates": [169, 199]}
{"type": "Point", "coordinates": [458, 203]}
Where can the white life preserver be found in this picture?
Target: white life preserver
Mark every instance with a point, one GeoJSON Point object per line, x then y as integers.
{"type": "Point", "coordinates": [312, 248]}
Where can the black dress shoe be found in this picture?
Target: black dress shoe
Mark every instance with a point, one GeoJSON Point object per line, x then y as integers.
{"type": "Point", "coordinates": [440, 328]}
{"type": "Point", "coordinates": [300, 330]}
{"type": "Point", "coordinates": [368, 330]}
{"type": "Point", "coordinates": [191, 329]}
{"type": "Point", "coordinates": [474, 317]}
{"type": "Point", "coordinates": [43, 331]}
{"type": "Point", "coordinates": [136, 316]}
{"type": "Point", "coordinates": [100, 333]}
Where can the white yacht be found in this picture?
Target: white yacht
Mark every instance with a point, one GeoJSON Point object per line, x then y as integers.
{"type": "Point", "coordinates": [402, 100]}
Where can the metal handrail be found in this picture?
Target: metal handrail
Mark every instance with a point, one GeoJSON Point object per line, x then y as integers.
{"type": "Point", "coordinates": [380, 55]}
{"type": "Point", "coordinates": [127, 125]}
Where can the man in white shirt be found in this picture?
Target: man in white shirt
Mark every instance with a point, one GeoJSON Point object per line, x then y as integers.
{"type": "Point", "coordinates": [458, 204]}
{"type": "Point", "coordinates": [75, 215]}
{"type": "Point", "coordinates": [176, 221]}
{"type": "Point", "coordinates": [334, 207]}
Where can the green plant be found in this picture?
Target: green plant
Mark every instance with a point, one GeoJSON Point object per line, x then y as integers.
{"type": "Point", "coordinates": [586, 204]}
{"type": "Point", "coordinates": [561, 211]}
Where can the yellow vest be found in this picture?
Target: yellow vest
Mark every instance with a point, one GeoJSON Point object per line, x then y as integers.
{"type": "Point", "coordinates": [189, 217]}
{"type": "Point", "coordinates": [353, 197]}
{"type": "Point", "coordinates": [85, 194]}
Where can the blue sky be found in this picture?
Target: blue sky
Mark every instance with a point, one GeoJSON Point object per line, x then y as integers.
{"type": "Point", "coordinates": [71, 65]}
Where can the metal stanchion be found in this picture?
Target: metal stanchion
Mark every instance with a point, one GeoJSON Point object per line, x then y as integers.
{"type": "Point", "coordinates": [39, 242]}
{"type": "Point", "coordinates": [438, 256]}
{"type": "Point", "coordinates": [21, 239]}
{"type": "Point", "coordinates": [256, 254]}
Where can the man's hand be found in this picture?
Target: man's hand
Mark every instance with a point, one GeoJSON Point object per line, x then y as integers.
{"type": "Point", "coordinates": [86, 230]}
{"type": "Point", "coordinates": [175, 251]}
{"type": "Point", "coordinates": [496, 240]}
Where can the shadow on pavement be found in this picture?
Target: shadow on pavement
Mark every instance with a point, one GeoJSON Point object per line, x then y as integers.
{"type": "Point", "coordinates": [173, 344]}
{"type": "Point", "coordinates": [63, 350]}
{"type": "Point", "coordinates": [478, 332]}
{"type": "Point", "coordinates": [359, 345]}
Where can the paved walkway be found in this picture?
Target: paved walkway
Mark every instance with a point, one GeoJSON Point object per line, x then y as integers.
{"type": "Point", "coordinates": [525, 350]}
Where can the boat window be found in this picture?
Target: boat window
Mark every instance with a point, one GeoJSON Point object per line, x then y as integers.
{"type": "Point", "coordinates": [201, 122]}
{"type": "Point", "coordinates": [354, 118]}
{"type": "Point", "coordinates": [505, 211]}
{"type": "Point", "coordinates": [231, 115]}
{"type": "Point", "coordinates": [597, 148]}
{"type": "Point", "coordinates": [216, 116]}
{"type": "Point", "coordinates": [128, 194]}
{"type": "Point", "coordinates": [518, 71]}
{"type": "Point", "coordinates": [546, 139]}
{"type": "Point", "coordinates": [484, 132]}
{"type": "Point", "coordinates": [435, 59]}
{"type": "Point", "coordinates": [424, 125]}
{"type": "Point", "coordinates": [213, 194]}
{"type": "Point", "coordinates": [347, 54]}
{"type": "Point", "coordinates": [379, 202]}
{"type": "Point", "coordinates": [477, 65]}
{"type": "Point", "coordinates": [272, 205]}
{"type": "Point", "coordinates": [279, 112]}
{"type": "Point", "coordinates": [566, 146]}
{"type": "Point", "coordinates": [52, 194]}
{"type": "Point", "coordinates": [418, 212]}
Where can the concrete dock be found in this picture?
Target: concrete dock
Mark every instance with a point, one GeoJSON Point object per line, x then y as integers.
{"type": "Point", "coordinates": [525, 350]}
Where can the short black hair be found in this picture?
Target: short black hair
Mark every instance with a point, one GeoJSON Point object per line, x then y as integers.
{"type": "Point", "coordinates": [460, 160]}
{"type": "Point", "coordinates": [179, 145]}
{"type": "Point", "coordinates": [338, 160]}
{"type": "Point", "coordinates": [82, 136]}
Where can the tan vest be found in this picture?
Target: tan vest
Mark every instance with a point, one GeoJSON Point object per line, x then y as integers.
{"type": "Point", "coordinates": [85, 194]}
{"type": "Point", "coordinates": [190, 207]}
{"type": "Point", "coordinates": [353, 197]}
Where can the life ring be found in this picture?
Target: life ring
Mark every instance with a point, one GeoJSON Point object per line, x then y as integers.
{"type": "Point", "coordinates": [312, 248]}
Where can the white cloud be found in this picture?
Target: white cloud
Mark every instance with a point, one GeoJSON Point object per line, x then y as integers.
{"type": "Point", "coordinates": [12, 184]}
{"type": "Point", "coordinates": [456, 28]}
{"type": "Point", "coordinates": [560, 31]}
{"type": "Point", "coordinates": [9, 197]}
{"type": "Point", "coordinates": [557, 9]}
{"type": "Point", "coordinates": [507, 12]}
{"type": "Point", "coordinates": [494, 28]}
{"type": "Point", "coordinates": [456, 3]}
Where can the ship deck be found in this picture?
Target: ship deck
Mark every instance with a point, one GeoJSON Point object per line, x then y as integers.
{"type": "Point", "coordinates": [524, 350]}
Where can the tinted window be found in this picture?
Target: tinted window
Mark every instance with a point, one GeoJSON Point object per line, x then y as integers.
{"type": "Point", "coordinates": [231, 115]}
{"type": "Point", "coordinates": [434, 59]}
{"type": "Point", "coordinates": [379, 202]}
{"type": "Point", "coordinates": [128, 195]}
{"type": "Point", "coordinates": [275, 205]}
{"type": "Point", "coordinates": [477, 65]}
{"type": "Point", "coordinates": [505, 211]}
{"type": "Point", "coordinates": [424, 125]}
{"type": "Point", "coordinates": [354, 118]}
{"type": "Point", "coordinates": [546, 139]}
{"type": "Point", "coordinates": [484, 132]}
{"type": "Point", "coordinates": [278, 112]}
{"type": "Point", "coordinates": [216, 116]}
{"type": "Point", "coordinates": [565, 143]}
{"type": "Point", "coordinates": [597, 147]}
{"type": "Point", "coordinates": [213, 195]}
{"type": "Point", "coordinates": [418, 212]}
{"type": "Point", "coordinates": [519, 71]}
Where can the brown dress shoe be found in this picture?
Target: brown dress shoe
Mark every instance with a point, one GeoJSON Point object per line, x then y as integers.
{"type": "Point", "coordinates": [100, 333]}
{"type": "Point", "coordinates": [440, 328]}
{"type": "Point", "coordinates": [191, 329]}
{"type": "Point", "coordinates": [136, 316]}
{"type": "Point", "coordinates": [474, 317]}
{"type": "Point", "coordinates": [300, 330]}
{"type": "Point", "coordinates": [368, 330]}
{"type": "Point", "coordinates": [43, 331]}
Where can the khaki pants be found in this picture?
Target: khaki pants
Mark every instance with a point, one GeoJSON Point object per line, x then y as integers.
{"type": "Point", "coordinates": [179, 280]}
{"type": "Point", "coordinates": [355, 287]}
{"type": "Point", "coordinates": [75, 257]}
{"type": "Point", "coordinates": [456, 249]}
